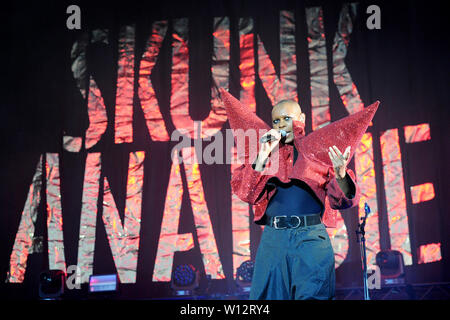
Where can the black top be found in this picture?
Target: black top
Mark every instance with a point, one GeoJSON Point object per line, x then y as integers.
{"type": "Point", "coordinates": [292, 198]}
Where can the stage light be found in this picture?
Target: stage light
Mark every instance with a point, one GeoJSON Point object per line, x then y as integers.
{"type": "Point", "coordinates": [184, 280]}
{"type": "Point", "coordinates": [51, 284]}
{"type": "Point", "coordinates": [244, 275]}
{"type": "Point", "coordinates": [392, 267]}
{"type": "Point", "coordinates": [106, 283]}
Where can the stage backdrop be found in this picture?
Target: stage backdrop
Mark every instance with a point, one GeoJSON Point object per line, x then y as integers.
{"type": "Point", "coordinates": [92, 116]}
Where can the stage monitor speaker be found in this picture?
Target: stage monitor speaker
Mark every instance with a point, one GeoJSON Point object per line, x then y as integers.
{"type": "Point", "coordinates": [185, 280]}
{"type": "Point", "coordinates": [244, 276]}
{"type": "Point", "coordinates": [103, 283]}
{"type": "Point", "coordinates": [51, 284]}
{"type": "Point", "coordinates": [392, 268]}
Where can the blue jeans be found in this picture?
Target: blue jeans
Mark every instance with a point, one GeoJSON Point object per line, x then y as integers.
{"type": "Point", "coordinates": [294, 264]}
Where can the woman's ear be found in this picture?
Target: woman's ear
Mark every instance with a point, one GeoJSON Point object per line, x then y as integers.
{"type": "Point", "coordinates": [302, 117]}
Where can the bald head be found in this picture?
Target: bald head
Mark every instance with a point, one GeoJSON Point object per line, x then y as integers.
{"type": "Point", "coordinates": [292, 105]}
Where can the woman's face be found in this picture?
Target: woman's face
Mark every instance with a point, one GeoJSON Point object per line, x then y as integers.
{"type": "Point", "coordinates": [283, 115]}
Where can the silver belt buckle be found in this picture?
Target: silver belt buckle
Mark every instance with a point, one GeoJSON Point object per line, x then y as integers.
{"type": "Point", "coordinates": [299, 221]}
{"type": "Point", "coordinates": [275, 221]}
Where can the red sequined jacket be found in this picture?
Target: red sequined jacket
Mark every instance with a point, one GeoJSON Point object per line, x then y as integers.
{"type": "Point", "coordinates": [251, 186]}
{"type": "Point", "coordinates": [313, 165]}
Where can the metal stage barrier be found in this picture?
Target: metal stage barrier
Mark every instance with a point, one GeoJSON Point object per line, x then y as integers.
{"type": "Point", "coordinates": [423, 291]}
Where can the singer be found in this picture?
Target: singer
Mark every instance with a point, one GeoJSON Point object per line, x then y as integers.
{"type": "Point", "coordinates": [295, 258]}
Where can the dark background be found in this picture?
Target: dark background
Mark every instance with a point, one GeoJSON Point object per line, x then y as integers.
{"type": "Point", "coordinates": [404, 65]}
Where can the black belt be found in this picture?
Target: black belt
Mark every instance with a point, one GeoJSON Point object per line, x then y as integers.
{"type": "Point", "coordinates": [284, 222]}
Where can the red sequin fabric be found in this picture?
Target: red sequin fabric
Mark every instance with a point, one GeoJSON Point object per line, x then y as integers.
{"type": "Point", "coordinates": [313, 165]}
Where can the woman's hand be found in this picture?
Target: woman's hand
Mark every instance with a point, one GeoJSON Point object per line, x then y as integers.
{"type": "Point", "coordinates": [339, 160]}
{"type": "Point", "coordinates": [266, 148]}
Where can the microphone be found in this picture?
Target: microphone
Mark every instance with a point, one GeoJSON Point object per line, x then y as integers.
{"type": "Point", "coordinates": [366, 209]}
{"type": "Point", "coordinates": [270, 137]}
